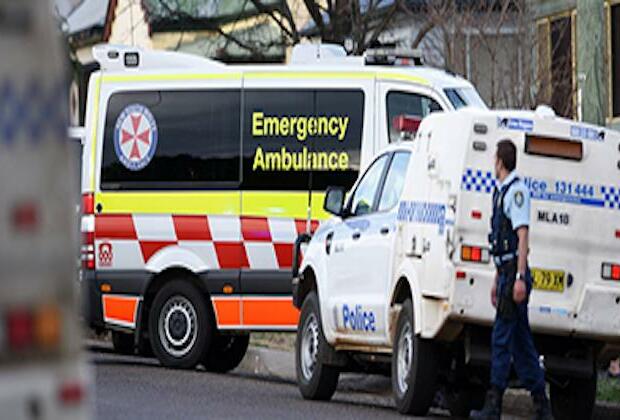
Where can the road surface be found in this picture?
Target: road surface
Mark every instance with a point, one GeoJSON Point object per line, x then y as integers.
{"type": "Point", "coordinates": [139, 388]}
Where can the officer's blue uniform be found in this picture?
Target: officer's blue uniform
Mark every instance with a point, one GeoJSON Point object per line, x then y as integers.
{"type": "Point", "coordinates": [512, 337]}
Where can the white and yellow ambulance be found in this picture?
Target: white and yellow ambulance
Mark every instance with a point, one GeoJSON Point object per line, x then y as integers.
{"type": "Point", "coordinates": [198, 177]}
{"type": "Point", "coordinates": [43, 374]}
{"type": "Point", "coordinates": [403, 273]}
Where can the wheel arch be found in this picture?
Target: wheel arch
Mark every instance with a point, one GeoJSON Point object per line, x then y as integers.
{"type": "Point", "coordinates": [406, 287]}
{"type": "Point", "coordinates": [308, 284]}
{"type": "Point", "coordinates": [157, 281]}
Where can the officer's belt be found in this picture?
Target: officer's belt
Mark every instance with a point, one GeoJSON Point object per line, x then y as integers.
{"type": "Point", "coordinates": [501, 260]}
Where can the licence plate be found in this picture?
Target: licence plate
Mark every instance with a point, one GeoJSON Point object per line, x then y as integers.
{"type": "Point", "coordinates": [549, 280]}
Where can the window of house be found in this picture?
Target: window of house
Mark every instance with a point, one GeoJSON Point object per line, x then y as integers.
{"type": "Point", "coordinates": [615, 60]}
{"type": "Point", "coordinates": [562, 83]}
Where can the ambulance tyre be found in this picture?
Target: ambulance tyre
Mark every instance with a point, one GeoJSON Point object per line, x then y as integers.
{"type": "Point", "coordinates": [575, 400]}
{"type": "Point", "coordinates": [180, 325]}
{"type": "Point", "coordinates": [316, 380]}
{"type": "Point", "coordinates": [414, 367]}
{"type": "Point", "coordinates": [123, 343]}
{"type": "Point", "coordinates": [226, 352]}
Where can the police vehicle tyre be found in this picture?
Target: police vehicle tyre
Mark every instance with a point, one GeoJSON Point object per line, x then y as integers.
{"type": "Point", "coordinates": [226, 352]}
{"type": "Point", "coordinates": [180, 325]}
{"type": "Point", "coordinates": [462, 401]}
{"type": "Point", "coordinates": [414, 367]}
{"type": "Point", "coordinates": [574, 401]}
{"type": "Point", "coordinates": [316, 380]}
{"type": "Point", "coordinates": [123, 343]}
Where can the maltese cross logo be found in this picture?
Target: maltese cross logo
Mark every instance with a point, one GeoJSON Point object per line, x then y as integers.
{"type": "Point", "coordinates": [135, 137]}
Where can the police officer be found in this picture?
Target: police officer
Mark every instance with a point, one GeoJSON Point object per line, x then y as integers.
{"type": "Point", "coordinates": [512, 337]}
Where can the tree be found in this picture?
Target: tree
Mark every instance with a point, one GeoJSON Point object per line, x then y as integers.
{"type": "Point", "coordinates": [333, 21]}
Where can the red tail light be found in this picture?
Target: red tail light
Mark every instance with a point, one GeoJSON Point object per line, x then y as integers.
{"type": "Point", "coordinates": [88, 250]}
{"type": "Point", "coordinates": [20, 331]}
{"type": "Point", "coordinates": [25, 217]}
{"type": "Point", "coordinates": [610, 271]}
{"type": "Point", "coordinates": [88, 203]}
{"type": "Point", "coordinates": [71, 393]}
{"type": "Point", "coordinates": [476, 214]}
{"type": "Point", "coordinates": [474, 254]}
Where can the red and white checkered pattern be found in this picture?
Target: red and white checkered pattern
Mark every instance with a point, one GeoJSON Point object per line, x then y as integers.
{"type": "Point", "coordinates": [220, 242]}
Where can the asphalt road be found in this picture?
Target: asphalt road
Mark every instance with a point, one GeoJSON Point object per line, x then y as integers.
{"type": "Point", "coordinates": [139, 388]}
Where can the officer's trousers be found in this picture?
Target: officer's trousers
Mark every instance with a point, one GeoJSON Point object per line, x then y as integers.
{"type": "Point", "coordinates": [512, 342]}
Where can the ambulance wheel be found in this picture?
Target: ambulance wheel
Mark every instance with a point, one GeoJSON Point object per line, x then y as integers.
{"type": "Point", "coordinates": [414, 367]}
{"type": "Point", "coordinates": [180, 325]}
{"type": "Point", "coordinates": [123, 343]}
{"type": "Point", "coordinates": [575, 400]}
{"type": "Point", "coordinates": [316, 380]}
{"type": "Point", "coordinates": [226, 352]}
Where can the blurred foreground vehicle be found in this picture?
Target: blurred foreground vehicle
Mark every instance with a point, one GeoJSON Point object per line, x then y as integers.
{"type": "Point", "coordinates": [42, 373]}
{"type": "Point", "coordinates": [402, 274]}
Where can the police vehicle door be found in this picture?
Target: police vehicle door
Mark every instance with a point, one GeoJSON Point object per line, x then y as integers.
{"type": "Point", "coordinates": [362, 248]}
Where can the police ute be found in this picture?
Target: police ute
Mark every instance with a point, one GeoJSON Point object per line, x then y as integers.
{"type": "Point", "coordinates": [400, 277]}
{"type": "Point", "coordinates": [197, 178]}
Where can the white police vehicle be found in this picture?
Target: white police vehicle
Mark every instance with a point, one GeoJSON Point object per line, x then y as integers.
{"type": "Point", "coordinates": [403, 270]}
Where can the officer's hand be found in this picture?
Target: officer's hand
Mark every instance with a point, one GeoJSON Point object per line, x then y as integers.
{"type": "Point", "coordinates": [519, 291]}
{"type": "Point", "coordinates": [494, 294]}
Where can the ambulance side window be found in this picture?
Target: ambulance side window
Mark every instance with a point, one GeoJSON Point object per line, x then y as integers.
{"type": "Point", "coordinates": [363, 198]}
{"type": "Point", "coordinates": [394, 181]}
{"type": "Point", "coordinates": [407, 103]}
{"type": "Point", "coordinates": [156, 140]}
{"type": "Point", "coordinates": [297, 138]}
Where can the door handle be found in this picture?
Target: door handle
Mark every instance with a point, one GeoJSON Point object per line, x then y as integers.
{"type": "Point", "coordinates": [385, 230]}
{"type": "Point", "coordinates": [356, 236]}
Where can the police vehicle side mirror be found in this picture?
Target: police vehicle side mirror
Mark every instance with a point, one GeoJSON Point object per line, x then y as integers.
{"type": "Point", "coordinates": [334, 201]}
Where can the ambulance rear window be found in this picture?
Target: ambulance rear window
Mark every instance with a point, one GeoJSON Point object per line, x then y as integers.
{"type": "Point", "coordinates": [554, 148]}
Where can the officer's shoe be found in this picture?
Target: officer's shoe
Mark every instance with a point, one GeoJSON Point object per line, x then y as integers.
{"type": "Point", "coordinates": [492, 409]}
{"type": "Point", "coordinates": [542, 408]}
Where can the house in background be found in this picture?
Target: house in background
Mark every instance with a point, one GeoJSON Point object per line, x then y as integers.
{"type": "Point", "coordinates": [215, 29]}
{"type": "Point", "coordinates": [578, 58]}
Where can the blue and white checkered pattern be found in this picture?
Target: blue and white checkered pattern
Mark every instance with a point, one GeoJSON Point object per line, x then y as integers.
{"type": "Point", "coordinates": [611, 197]}
{"type": "Point", "coordinates": [32, 111]}
{"type": "Point", "coordinates": [478, 181]}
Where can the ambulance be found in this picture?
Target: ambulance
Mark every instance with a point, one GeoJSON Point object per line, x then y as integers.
{"type": "Point", "coordinates": [198, 178]}
{"type": "Point", "coordinates": [43, 374]}
{"type": "Point", "coordinates": [400, 278]}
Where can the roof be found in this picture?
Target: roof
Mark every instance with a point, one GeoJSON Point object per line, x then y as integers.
{"type": "Point", "coordinates": [174, 62]}
{"type": "Point", "coordinates": [89, 14]}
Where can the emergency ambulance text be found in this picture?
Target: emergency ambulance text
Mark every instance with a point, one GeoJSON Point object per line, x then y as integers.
{"type": "Point", "coordinates": [301, 127]}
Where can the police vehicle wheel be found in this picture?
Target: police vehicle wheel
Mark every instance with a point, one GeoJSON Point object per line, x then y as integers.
{"type": "Point", "coordinates": [123, 343]}
{"type": "Point", "coordinates": [575, 400]}
{"type": "Point", "coordinates": [180, 325]}
{"type": "Point", "coordinates": [226, 352]}
{"type": "Point", "coordinates": [414, 367]}
{"type": "Point", "coordinates": [316, 380]}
